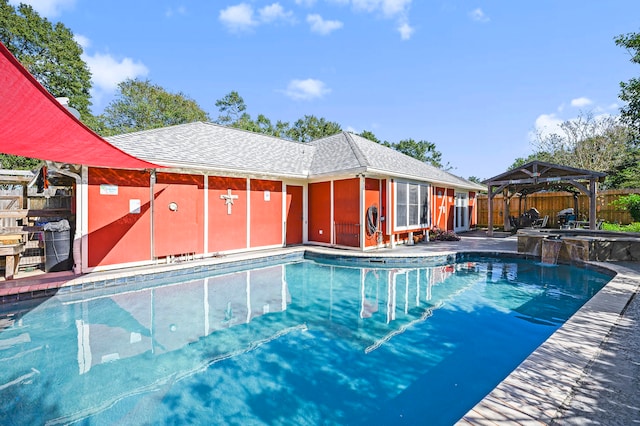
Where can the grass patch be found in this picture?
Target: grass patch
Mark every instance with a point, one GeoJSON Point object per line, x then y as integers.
{"type": "Point", "coordinates": [632, 227]}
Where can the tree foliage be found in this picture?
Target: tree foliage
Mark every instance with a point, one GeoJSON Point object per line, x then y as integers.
{"type": "Point", "coordinates": [232, 109]}
{"type": "Point", "coordinates": [630, 91]}
{"type": "Point", "coordinates": [311, 128]}
{"type": "Point", "coordinates": [48, 51]}
{"type": "Point", "coordinates": [141, 105]}
{"type": "Point", "coordinates": [421, 150]}
{"type": "Point", "coordinates": [587, 142]}
{"type": "Point", "coordinates": [631, 203]}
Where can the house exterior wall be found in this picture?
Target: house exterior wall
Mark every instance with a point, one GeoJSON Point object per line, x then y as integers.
{"type": "Point", "coordinates": [346, 212]}
{"type": "Point", "coordinates": [372, 198]}
{"type": "Point", "coordinates": [116, 233]}
{"type": "Point", "coordinates": [121, 216]}
{"type": "Point", "coordinates": [227, 227]}
{"type": "Point", "coordinates": [450, 208]}
{"type": "Point", "coordinates": [266, 213]}
{"type": "Point", "coordinates": [178, 214]}
{"type": "Point", "coordinates": [294, 214]}
{"type": "Point", "coordinates": [473, 212]}
{"type": "Point", "coordinates": [320, 212]}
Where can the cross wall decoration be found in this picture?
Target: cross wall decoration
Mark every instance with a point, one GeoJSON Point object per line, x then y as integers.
{"type": "Point", "coordinates": [228, 200]}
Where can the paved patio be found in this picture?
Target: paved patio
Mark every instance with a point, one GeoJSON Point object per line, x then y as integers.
{"type": "Point", "coordinates": [587, 373]}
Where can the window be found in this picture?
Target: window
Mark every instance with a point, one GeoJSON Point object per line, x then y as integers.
{"type": "Point", "coordinates": [412, 205]}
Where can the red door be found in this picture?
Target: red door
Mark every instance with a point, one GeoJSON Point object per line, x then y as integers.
{"type": "Point", "coordinates": [294, 215]}
{"type": "Point", "coordinates": [175, 219]}
{"type": "Point", "coordinates": [440, 206]}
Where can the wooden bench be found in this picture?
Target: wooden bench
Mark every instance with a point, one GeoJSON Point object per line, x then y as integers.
{"type": "Point", "coordinates": [11, 254]}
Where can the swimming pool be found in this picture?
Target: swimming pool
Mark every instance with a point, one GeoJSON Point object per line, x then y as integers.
{"type": "Point", "coordinates": [295, 343]}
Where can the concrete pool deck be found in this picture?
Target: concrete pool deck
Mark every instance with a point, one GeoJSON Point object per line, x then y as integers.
{"type": "Point", "coordinates": [588, 372]}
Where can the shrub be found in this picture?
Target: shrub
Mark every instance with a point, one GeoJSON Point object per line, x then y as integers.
{"type": "Point", "coordinates": [631, 203]}
{"type": "Point", "coordinates": [633, 227]}
{"type": "Point", "coordinates": [440, 235]}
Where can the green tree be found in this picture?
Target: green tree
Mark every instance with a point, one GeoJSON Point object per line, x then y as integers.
{"type": "Point", "coordinates": [630, 91]}
{"type": "Point", "coordinates": [49, 52]}
{"type": "Point", "coordinates": [311, 127]}
{"type": "Point", "coordinates": [631, 203]}
{"type": "Point", "coordinates": [587, 142]}
{"type": "Point", "coordinates": [140, 105]}
{"type": "Point", "coordinates": [232, 109]}
{"type": "Point", "coordinates": [420, 150]}
{"type": "Point", "coordinates": [15, 162]}
{"type": "Point", "coordinates": [369, 135]}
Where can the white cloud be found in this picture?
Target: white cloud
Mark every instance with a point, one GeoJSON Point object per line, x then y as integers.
{"type": "Point", "coordinates": [306, 89]}
{"type": "Point", "coordinates": [107, 72]}
{"type": "Point", "coordinates": [320, 26]}
{"type": "Point", "coordinates": [241, 16]}
{"type": "Point", "coordinates": [406, 31]}
{"type": "Point", "coordinates": [307, 3]}
{"type": "Point", "coordinates": [546, 125]}
{"type": "Point", "coordinates": [238, 17]}
{"type": "Point", "coordinates": [47, 8]}
{"type": "Point", "coordinates": [180, 10]}
{"type": "Point", "coordinates": [83, 41]}
{"type": "Point", "coordinates": [388, 7]}
{"type": "Point", "coordinates": [478, 15]}
{"type": "Point", "coordinates": [581, 102]}
{"type": "Point", "coordinates": [273, 13]}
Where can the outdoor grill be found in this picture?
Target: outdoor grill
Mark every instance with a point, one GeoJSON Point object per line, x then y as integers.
{"type": "Point", "coordinates": [566, 215]}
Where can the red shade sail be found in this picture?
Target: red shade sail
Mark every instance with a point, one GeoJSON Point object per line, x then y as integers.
{"type": "Point", "coordinates": [34, 124]}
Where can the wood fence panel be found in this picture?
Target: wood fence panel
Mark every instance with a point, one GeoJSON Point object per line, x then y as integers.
{"type": "Point", "coordinates": [550, 203]}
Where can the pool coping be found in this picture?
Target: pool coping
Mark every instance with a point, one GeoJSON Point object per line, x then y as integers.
{"type": "Point", "coordinates": [534, 393]}
{"type": "Point", "coordinates": [538, 389]}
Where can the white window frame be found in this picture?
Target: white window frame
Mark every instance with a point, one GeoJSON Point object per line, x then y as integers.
{"type": "Point", "coordinates": [423, 199]}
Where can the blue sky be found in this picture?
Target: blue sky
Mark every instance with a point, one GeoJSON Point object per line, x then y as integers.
{"type": "Point", "coordinates": [477, 78]}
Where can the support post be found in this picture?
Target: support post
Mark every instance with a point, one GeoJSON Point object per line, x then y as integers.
{"type": "Point", "coordinates": [593, 198]}
{"type": "Point", "coordinates": [490, 212]}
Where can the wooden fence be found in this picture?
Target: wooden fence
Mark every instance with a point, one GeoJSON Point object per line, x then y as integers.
{"type": "Point", "coordinates": [550, 203]}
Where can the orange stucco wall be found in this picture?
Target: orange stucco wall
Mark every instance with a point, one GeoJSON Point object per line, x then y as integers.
{"type": "Point", "coordinates": [115, 235]}
{"type": "Point", "coordinates": [181, 230]}
{"type": "Point", "coordinates": [320, 212]}
{"type": "Point", "coordinates": [346, 212]}
{"type": "Point", "coordinates": [372, 198]}
{"type": "Point", "coordinates": [266, 213]}
{"type": "Point", "coordinates": [439, 208]}
{"type": "Point", "coordinates": [450, 208]}
{"type": "Point", "coordinates": [294, 214]}
{"type": "Point", "coordinates": [227, 231]}
{"type": "Point", "coordinates": [473, 217]}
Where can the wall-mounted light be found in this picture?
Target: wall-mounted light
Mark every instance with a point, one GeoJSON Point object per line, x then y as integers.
{"type": "Point", "coordinates": [173, 206]}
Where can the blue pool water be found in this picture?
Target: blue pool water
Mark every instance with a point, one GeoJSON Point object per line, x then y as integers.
{"type": "Point", "coordinates": [300, 343]}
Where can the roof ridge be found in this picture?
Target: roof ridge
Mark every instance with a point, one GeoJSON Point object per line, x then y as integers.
{"type": "Point", "coordinates": [362, 159]}
{"type": "Point", "coordinates": [279, 139]}
{"type": "Point", "coordinates": [155, 129]}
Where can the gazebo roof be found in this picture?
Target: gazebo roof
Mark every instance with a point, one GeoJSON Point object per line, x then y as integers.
{"type": "Point", "coordinates": [537, 176]}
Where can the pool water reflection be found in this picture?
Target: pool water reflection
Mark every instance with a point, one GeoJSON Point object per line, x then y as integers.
{"type": "Point", "coordinates": [297, 343]}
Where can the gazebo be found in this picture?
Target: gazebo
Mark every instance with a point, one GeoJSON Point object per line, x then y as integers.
{"type": "Point", "coordinates": [539, 176]}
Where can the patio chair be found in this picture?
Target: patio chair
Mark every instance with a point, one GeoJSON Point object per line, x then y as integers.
{"type": "Point", "coordinates": [540, 223]}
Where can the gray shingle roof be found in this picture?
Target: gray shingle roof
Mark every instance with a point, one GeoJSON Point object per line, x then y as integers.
{"type": "Point", "coordinates": [212, 147]}
{"type": "Point", "coordinates": [346, 151]}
